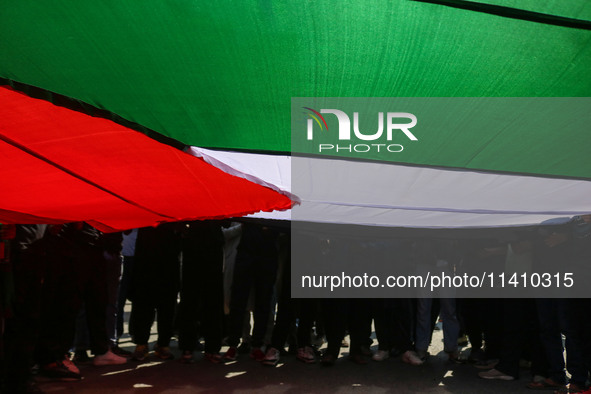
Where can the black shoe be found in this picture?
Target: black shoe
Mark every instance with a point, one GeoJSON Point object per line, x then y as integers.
{"type": "Point", "coordinates": [328, 360]}
{"type": "Point", "coordinates": [283, 352]}
{"type": "Point", "coordinates": [476, 355]}
{"type": "Point", "coordinates": [81, 356]}
{"type": "Point", "coordinates": [244, 348]}
{"type": "Point", "coordinates": [456, 357]}
{"type": "Point", "coordinates": [292, 349]}
{"type": "Point", "coordinates": [364, 350]}
{"type": "Point", "coordinates": [199, 347]}
{"type": "Point", "coordinates": [396, 353]}
{"type": "Point", "coordinates": [187, 357]}
{"type": "Point", "coordinates": [32, 388]}
{"type": "Point", "coordinates": [359, 358]}
{"type": "Point", "coordinates": [121, 352]}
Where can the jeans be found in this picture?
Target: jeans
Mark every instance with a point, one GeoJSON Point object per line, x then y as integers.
{"type": "Point", "coordinates": [451, 326]}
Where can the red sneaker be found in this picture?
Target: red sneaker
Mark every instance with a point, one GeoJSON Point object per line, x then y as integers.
{"type": "Point", "coordinates": [257, 354]}
{"type": "Point", "coordinates": [214, 358]}
{"type": "Point", "coordinates": [230, 354]}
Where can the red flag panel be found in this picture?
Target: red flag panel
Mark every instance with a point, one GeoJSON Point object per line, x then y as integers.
{"type": "Point", "coordinates": [59, 165]}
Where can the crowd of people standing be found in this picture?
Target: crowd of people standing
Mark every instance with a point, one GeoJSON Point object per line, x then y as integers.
{"type": "Point", "coordinates": [199, 281]}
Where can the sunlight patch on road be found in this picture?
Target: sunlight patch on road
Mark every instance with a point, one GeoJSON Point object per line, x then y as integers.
{"type": "Point", "coordinates": [117, 372]}
{"type": "Point", "coordinates": [141, 386]}
{"type": "Point", "coordinates": [234, 374]}
{"type": "Point", "coordinates": [448, 374]}
{"type": "Point", "coordinates": [151, 364]}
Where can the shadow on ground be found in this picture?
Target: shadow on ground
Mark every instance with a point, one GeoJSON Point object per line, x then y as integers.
{"type": "Point", "coordinates": [290, 376]}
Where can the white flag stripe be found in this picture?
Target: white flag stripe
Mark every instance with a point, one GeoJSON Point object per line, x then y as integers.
{"type": "Point", "coordinates": [384, 194]}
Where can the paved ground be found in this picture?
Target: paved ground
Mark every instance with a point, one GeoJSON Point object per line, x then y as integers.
{"type": "Point", "coordinates": [290, 376]}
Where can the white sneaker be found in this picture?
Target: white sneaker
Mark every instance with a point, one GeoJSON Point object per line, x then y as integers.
{"type": "Point", "coordinates": [381, 355]}
{"type": "Point", "coordinates": [412, 358]}
{"type": "Point", "coordinates": [109, 358]}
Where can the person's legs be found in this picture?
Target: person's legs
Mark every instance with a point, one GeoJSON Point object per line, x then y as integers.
{"type": "Point", "coordinates": [113, 263]}
{"type": "Point", "coordinates": [82, 337]}
{"type": "Point", "coordinates": [143, 316]}
{"type": "Point", "coordinates": [189, 303]}
{"type": "Point", "coordinates": [306, 311]}
{"type": "Point", "coordinates": [286, 308]}
{"type": "Point", "coordinates": [359, 327]}
{"type": "Point", "coordinates": [424, 326]}
{"type": "Point", "coordinates": [22, 329]}
{"type": "Point", "coordinates": [96, 298]}
{"type": "Point", "coordinates": [491, 311]}
{"type": "Point", "coordinates": [451, 325]}
{"type": "Point", "coordinates": [165, 308]}
{"type": "Point", "coordinates": [534, 348]}
{"type": "Point", "coordinates": [519, 334]}
{"type": "Point", "coordinates": [550, 335]}
{"type": "Point", "coordinates": [383, 315]}
{"type": "Point", "coordinates": [212, 299]}
{"type": "Point", "coordinates": [60, 303]}
{"type": "Point", "coordinates": [264, 282]}
{"type": "Point", "coordinates": [585, 324]}
{"type": "Point", "coordinates": [403, 318]}
{"type": "Point", "coordinates": [334, 315]}
{"type": "Point", "coordinates": [571, 326]}
{"type": "Point", "coordinates": [124, 285]}
{"type": "Point", "coordinates": [241, 285]}
{"type": "Point", "coordinates": [473, 324]}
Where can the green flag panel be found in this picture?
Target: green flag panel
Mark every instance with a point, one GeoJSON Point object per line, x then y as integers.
{"type": "Point", "coordinates": [222, 74]}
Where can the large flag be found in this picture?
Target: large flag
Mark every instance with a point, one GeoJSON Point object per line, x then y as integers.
{"type": "Point", "coordinates": [220, 77]}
